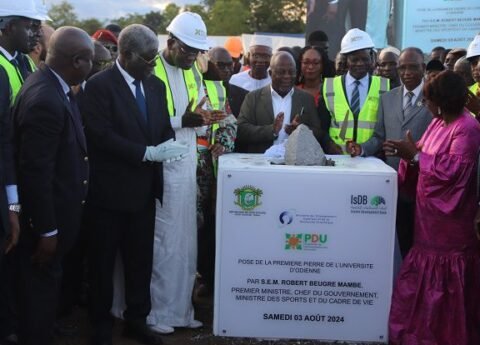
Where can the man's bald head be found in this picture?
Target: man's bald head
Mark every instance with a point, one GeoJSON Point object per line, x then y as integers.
{"type": "Point", "coordinates": [463, 67]}
{"type": "Point", "coordinates": [70, 54]}
{"type": "Point", "coordinates": [281, 56]}
{"type": "Point", "coordinates": [222, 62]}
{"type": "Point", "coordinates": [283, 71]}
{"type": "Point", "coordinates": [219, 54]}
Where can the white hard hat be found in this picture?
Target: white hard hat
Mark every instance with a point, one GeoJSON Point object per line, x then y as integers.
{"type": "Point", "coordinates": [20, 8]}
{"type": "Point", "coordinates": [355, 39]}
{"type": "Point", "coordinates": [42, 10]}
{"type": "Point", "coordinates": [190, 29]}
{"type": "Point", "coordinates": [474, 47]}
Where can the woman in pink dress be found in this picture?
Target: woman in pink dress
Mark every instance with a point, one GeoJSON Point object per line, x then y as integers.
{"type": "Point", "coordinates": [436, 299]}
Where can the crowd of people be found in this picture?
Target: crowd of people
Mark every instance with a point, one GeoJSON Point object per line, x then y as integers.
{"type": "Point", "coordinates": [109, 147]}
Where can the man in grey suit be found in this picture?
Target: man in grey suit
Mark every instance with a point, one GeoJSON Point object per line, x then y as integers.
{"type": "Point", "coordinates": [268, 115]}
{"type": "Point", "coordinates": [401, 110]}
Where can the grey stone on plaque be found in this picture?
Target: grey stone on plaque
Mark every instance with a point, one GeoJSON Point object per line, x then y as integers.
{"type": "Point", "coordinates": [303, 149]}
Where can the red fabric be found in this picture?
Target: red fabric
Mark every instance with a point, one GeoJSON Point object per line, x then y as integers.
{"type": "Point", "coordinates": [436, 299]}
{"type": "Point", "coordinates": [317, 95]}
{"type": "Point", "coordinates": [105, 35]}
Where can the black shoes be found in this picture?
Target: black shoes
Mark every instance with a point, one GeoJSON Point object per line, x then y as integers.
{"type": "Point", "coordinates": [141, 333]}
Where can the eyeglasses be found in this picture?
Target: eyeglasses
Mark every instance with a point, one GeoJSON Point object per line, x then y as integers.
{"type": "Point", "coordinates": [103, 63]}
{"type": "Point", "coordinates": [311, 62]}
{"type": "Point", "coordinates": [150, 62]}
{"type": "Point", "coordinates": [186, 50]}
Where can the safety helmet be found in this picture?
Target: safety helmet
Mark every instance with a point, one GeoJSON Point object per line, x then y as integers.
{"type": "Point", "coordinates": [234, 46]}
{"type": "Point", "coordinates": [474, 48]}
{"type": "Point", "coordinates": [21, 8]}
{"type": "Point", "coordinates": [41, 7]}
{"type": "Point", "coordinates": [190, 29]}
{"type": "Point", "coordinates": [355, 39]}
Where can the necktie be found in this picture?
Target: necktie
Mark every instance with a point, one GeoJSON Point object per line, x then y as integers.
{"type": "Point", "coordinates": [141, 102]}
{"type": "Point", "coordinates": [77, 117]}
{"type": "Point", "coordinates": [408, 106]}
{"type": "Point", "coordinates": [355, 102]}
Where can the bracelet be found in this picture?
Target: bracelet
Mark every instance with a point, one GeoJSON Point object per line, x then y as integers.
{"type": "Point", "coordinates": [415, 159]}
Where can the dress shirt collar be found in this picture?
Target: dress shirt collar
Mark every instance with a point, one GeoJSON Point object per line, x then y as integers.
{"type": "Point", "coordinates": [66, 89]}
{"type": "Point", "coordinates": [128, 78]}
{"type": "Point", "coordinates": [9, 56]}
{"type": "Point", "coordinates": [350, 80]}
{"type": "Point", "coordinates": [415, 91]}
{"type": "Point", "coordinates": [277, 96]}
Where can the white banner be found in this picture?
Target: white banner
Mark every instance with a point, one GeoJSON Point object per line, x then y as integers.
{"type": "Point", "coordinates": [305, 253]}
{"type": "Point", "coordinates": [448, 23]}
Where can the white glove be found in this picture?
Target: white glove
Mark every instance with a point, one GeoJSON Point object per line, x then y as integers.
{"type": "Point", "coordinates": [167, 151]}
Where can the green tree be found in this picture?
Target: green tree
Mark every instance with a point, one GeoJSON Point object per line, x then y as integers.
{"type": "Point", "coordinates": [63, 14]}
{"type": "Point", "coordinates": [90, 25]}
{"type": "Point", "coordinates": [228, 17]}
{"type": "Point", "coordinates": [284, 16]}
{"type": "Point", "coordinates": [155, 20]}
{"type": "Point", "coordinates": [132, 18]}
{"type": "Point", "coordinates": [170, 12]}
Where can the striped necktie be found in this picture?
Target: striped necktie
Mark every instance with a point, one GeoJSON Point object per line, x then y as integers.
{"type": "Point", "coordinates": [408, 106]}
{"type": "Point", "coordinates": [355, 102]}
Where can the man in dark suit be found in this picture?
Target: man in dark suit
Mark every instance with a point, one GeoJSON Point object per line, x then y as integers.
{"type": "Point", "coordinates": [52, 178]}
{"type": "Point", "coordinates": [400, 110]}
{"type": "Point", "coordinates": [268, 115]}
{"type": "Point", "coordinates": [127, 125]}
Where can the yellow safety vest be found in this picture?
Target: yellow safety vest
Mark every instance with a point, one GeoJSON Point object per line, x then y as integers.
{"type": "Point", "coordinates": [14, 77]}
{"type": "Point", "coordinates": [474, 88]}
{"type": "Point", "coordinates": [217, 95]}
{"type": "Point", "coordinates": [193, 82]}
{"type": "Point", "coordinates": [342, 116]}
{"type": "Point", "coordinates": [33, 67]}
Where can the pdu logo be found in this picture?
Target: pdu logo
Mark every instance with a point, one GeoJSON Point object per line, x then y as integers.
{"type": "Point", "coordinates": [358, 199]}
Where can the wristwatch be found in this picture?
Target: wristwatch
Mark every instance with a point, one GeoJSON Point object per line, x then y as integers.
{"type": "Point", "coordinates": [275, 135]}
{"type": "Point", "coordinates": [15, 208]}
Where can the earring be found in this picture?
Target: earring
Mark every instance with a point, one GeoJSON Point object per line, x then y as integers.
{"type": "Point", "coordinates": [439, 111]}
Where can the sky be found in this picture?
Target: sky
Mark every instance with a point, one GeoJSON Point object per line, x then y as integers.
{"type": "Point", "coordinates": [107, 9]}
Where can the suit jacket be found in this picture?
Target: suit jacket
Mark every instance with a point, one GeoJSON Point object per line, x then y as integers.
{"type": "Point", "coordinates": [52, 156]}
{"type": "Point", "coordinates": [255, 122]}
{"type": "Point", "coordinates": [7, 165]}
{"type": "Point", "coordinates": [391, 123]}
{"type": "Point", "coordinates": [117, 137]}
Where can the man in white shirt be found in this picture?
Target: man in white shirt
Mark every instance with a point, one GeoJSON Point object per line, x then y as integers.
{"type": "Point", "coordinates": [400, 110]}
{"type": "Point", "coordinates": [270, 114]}
{"type": "Point", "coordinates": [260, 52]}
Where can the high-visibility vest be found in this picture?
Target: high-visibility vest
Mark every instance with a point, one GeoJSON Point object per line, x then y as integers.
{"type": "Point", "coordinates": [14, 77]}
{"type": "Point", "coordinates": [31, 64]}
{"type": "Point", "coordinates": [193, 82]}
{"type": "Point", "coordinates": [342, 116]}
{"type": "Point", "coordinates": [474, 88]}
{"type": "Point", "coordinates": [217, 95]}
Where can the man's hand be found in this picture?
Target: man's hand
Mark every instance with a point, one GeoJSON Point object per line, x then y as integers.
{"type": "Point", "coordinates": [166, 152]}
{"type": "Point", "coordinates": [216, 150]}
{"type": "Point", "coordinates": [201, 117]}
{"type": "Point", "coordinates": [14, 234]}
{"type": "Point", "coordinates": [293, 125]}
{"type": "Point", "coordinates": [46, 249]}
{"type": "Point", "coordinates": [405, 149]}
{"type": "Point", "coordinates": [473, 104]}
{"type": "Point", "coordinates": [476, 223]}
{"type": "Point", "coordinates": [278, 123]}
{"type": "Point", "coordinates": [353, 148]}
